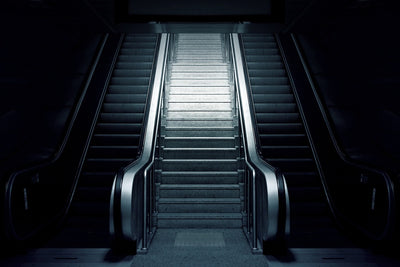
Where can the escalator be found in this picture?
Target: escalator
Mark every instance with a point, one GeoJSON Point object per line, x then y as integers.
{"type": "Point", "coordinates": [284, 143]}
{"type": "Point", "coordinates": [114, 144]}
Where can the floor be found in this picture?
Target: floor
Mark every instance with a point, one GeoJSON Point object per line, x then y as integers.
{"type": "Point", "coordinates": [198, 247]}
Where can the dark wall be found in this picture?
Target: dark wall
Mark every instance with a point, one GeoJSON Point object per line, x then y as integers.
{"type": "Point", "coordinates": [199, 7]}
{"type": "Point", "coordinates": [354, 56]}
{"type": "Point", "coordinates": [46, 50]}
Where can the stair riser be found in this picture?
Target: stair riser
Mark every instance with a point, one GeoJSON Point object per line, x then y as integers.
{"type": "Point", "coordinates": [199, 223]}
{"type": "Point", "coordinates": [199, 166]}
{"type": "Point", "coordinates": [198, 208]}
{"type": "Point", "coordinates": [198, 90]}
{"type": "Point", "coordinates": [184, 179]}
{"type": "Point", "coordinates": [199, 193]}
{"type": "Point", "coordinates": [199, 143]}
{"type": "Point", "coordinates": [199, 123]}
{"type": "Point", "coordinates": [200, 154]}
{"type": "Point", "coordinates": [200, 133]}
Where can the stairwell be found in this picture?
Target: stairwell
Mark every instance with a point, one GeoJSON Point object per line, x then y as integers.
{"type": "Point", "coordinates": [198, 182]}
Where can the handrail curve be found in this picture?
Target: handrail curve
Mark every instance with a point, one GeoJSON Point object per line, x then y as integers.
{"type": "Point", "coordinates": [128, 208]}
{"type": "Point", "coordinates": [271, 212]}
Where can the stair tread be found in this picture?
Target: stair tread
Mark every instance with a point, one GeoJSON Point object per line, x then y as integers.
{"type": "Point", "coordinates": [199, 186]}
{"type": "Point", "coordinates": [217, 215]}
{"type": "Point", "coordinates": [199, 200]}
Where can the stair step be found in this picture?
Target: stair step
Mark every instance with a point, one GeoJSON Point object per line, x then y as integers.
{"type": "Point", "coordinates": [205, 69]}
{"type": "Point", "coordinates": [206, 123]}
{"type": "Point", "coordinates": [200, 98]}
{"type": "Point", "coordinates": [199, 191]}
{"type": "Point", "coordinates": [118, 128]}
{"type": "Point", "coordinates": [278, 117]}
{"type": "Point", "coordinates": [125, 98]}
{"type": "Point", "coordinates": [280, 127]}
{"type": "Point", "coordinates": [128, 89]}
{"type": "Point", "coordinates": [198, 90]}
{"type": "Point", "coordinates": [134, 65]}
{"type": "Point", "coordinates": [199, 107]}
{"type": "Point", "coordinates": [199, 165]}
{"type": "Point", "coordinates": [203, 177]}
{"type": "Point", "coordinates": [130, 80]}
{"type": "Point", "coordinates": [199, 142]}
{"type": "Point", "coordinates": [121, 117]}
{"type": "Point", "coordinates": [196, 115]}
{"type": "Point", "coordinates": [271, 89]}
{"type": "Point", "coordinates": [275, 108]}
{"type": "Point", "coordinates": [273, 98]}
{"type": "Point", "coordinates": [200, 220]}
{"type": "Point", "coordinates": [262, 51]}
{"type": "Point", "coordinates": [199, 205]}
{"type": "Point", "coordinates": [200, 131]}
{"type": "Point", "coordinates": [123, 108]}
{"type": "Point", "coordinates": [190, 82]}
{"type": "Point", "coordinates": [200, 153]}
{"type": "Point", "coordinates": [132, 72]}
{"type": "Point", "coordinates": [200, 75]}
{"type": "Point", "coordinates": [264, 65]}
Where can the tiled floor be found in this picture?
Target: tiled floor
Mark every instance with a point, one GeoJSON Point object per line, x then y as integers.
{"type": "Point", "coordinates": [194, 247]}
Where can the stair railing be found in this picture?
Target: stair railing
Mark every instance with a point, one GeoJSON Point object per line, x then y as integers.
{"type": "Point", "coordinates": [133, 195]}
{"type": "Point", "coordinates": [266, 206]}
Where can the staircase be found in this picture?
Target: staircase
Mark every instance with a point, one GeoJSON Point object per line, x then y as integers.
{"type": "Point", "coordinates": [115, 140]}
{"type": "Point", "coordinates": [198, 185]}
{"type": "Point", "coordinates": [284, 142]}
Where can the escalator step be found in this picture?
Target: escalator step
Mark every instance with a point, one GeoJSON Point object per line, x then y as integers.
{"type": "Point", "coordinates": [121, 117]}
{"type": "Point", "coordinates": [280, 127]}
{"type": "Point", "coordinates": [278, 117]}
{"type": "Point", "coordinates": [124, 108]}
{"type": "Point", "coordinates": [130, 81]}
{"type": "Point", "coordinates": [128, 89]}
{"type": "Point", "coordinates": [121, 128]}
{"type": "Point", "coordinates": [134, 65]}
{"type": "Point", "coordinates": [131, 73]}
{"type": "Point", "coordinates": [273, 98]}
{"type": "Point", "coordinates": [125, 98]}
{"type": "Point", "coordinates": [275, 107]}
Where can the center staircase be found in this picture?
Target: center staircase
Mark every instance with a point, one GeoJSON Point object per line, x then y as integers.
{"type": "Point", "coordinates": [198, 183]}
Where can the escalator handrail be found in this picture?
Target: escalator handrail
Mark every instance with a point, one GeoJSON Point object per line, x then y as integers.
{"type": "Point", "coordinates": [147, 107]}
{"type": "Point", "coordinates": [340, 152]}
{"type": "Point", "coordinates": [254, 161]}
{"type": "Point", "coordinates": [55, 157]}
{"type": "Point", "coordinates": [121, 205]}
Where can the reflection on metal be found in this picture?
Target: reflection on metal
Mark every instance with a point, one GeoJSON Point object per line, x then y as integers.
{"type": "Point", "coordinates": [267, 200]}
{"type": "Point", "coordinates": [132, 194]}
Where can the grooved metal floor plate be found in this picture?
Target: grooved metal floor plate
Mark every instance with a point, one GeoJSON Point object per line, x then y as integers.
{"type": "Point", "coordinates": [199, 239]}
